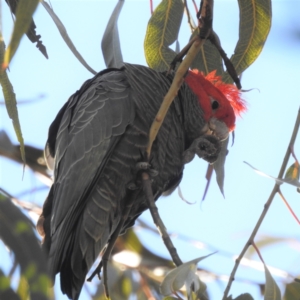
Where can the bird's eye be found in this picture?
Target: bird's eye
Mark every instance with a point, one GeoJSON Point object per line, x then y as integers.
{"type": "Point", "coordinates": [214, 104]}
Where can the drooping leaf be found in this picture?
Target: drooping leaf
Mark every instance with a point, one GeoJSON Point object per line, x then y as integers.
{"type": "Point", "coordinates": [219, 166]}
{"type": "Point", "coordinates": [184, 274]}
{"type": "Point", "coordinates": [255, 24]}
{"type": "Point", "coordinates": [292, 291]}
{"type": "Point", "coordinates": [62, 29]}
{"type": "Point", "coordinates": [24, 12]}
{"type": "Point", "coordinates": [208, 59]}
{"type": "Point", "coordinates": [110, 44]}
{"type": "Point", "coordinates": [162, 31]}
{"type": "Point", "coordinates": [10, 101]}
{"type": "Point", "coordinates": [272, 291]}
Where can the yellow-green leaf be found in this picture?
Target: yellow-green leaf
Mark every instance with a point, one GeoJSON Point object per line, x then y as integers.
{"type": "Point", "coordinates": [208, 59]}
{"type": "Point", "coordinates": [25, 10]}
{"type": "Point", "coordinates": [10, 100]}
{"type": "Point", "coordinates": [255, 24]}
{"type": "Point", "coordinates": [4, 282]}
{"type": "Point", "coordinates": [292, 291]}
{"type": "Point", "coordinates": [23, 288]}
{"type": "Point", "coordinates": [272, 291]}
{"type": "Point", "coordinates": [292, 172]}
{"type": "Point", "coordinates": [162, 31]}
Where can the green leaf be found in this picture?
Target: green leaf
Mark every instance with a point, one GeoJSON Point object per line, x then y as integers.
{"type": "Point", "coordinates": [208, 59]}
{"type": "Point", "coordinates": [292, 172]}
{"type": "Point", "coordinates": [25, 10]}
{"type": "Point", "coordinates": [255, 24]}
{"type": "Point", "coordinates": [244, 297]}
{"type": "Point", "coordinates": [162, 31]}
{"type": "Point", "coordinates": [272, 291]}
{"type": "Point", "coordinates": [10, 100]}
{"type": "Point", "coordinates": [110, 44]}
{"type": "Point", "coordinates": [292, 291]}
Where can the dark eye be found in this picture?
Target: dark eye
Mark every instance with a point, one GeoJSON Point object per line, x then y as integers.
{"type": "Point", "coordinates": [214, 104]}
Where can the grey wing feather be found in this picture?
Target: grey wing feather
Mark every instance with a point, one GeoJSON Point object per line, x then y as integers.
{"type": "Point", "coordinates": [89, 129]}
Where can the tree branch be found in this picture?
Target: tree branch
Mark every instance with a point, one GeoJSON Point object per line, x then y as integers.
{"type": "Point", "coordinates": [205, 20]}
{"type": "Point", "coordinates": [266, 207]}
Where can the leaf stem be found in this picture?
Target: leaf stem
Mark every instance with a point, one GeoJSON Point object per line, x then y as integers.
{"type": "Point", "coordinates": [288, 206]}
{"type": "Point", "coordinates": [258, 252]}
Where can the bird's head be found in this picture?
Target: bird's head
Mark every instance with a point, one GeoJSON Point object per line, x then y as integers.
{"type": "Point", "coordinates": [219, 101]}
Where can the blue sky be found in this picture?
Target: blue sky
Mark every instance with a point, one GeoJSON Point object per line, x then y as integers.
{"type": "Point", "coordinates": [261, 136]}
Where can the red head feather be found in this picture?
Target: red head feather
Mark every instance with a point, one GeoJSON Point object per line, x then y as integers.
{"type": "Point", "coordinates": [210, 89]}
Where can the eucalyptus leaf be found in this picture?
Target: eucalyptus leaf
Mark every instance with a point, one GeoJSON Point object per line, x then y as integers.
{"type": "Point", "coordinates": [162, 31]}
{"type": "Point", "coordinates": [292, 172]}
{"type": "Point", "coordinates": [11, 101]}
{"type": "Point", "coordinates": [208, 59]}
{"type": "Point", "coordinates": [110, 44]}
{"type": "Point", "coordinates": [255, 24]}
{"type": "Point", "coordinates": [272, 291]}
{"type": "Point", "coordinates": [292, 291]}
{"type": "Point", "coordinates": [62, 29]}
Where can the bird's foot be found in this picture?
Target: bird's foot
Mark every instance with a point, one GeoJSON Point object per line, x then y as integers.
{"type": "Point", "coordinates": [139, 168]}
{"type": "Point", "coordinates": [206, 147]}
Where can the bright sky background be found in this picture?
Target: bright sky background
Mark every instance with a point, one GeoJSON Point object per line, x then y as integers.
{"type": "Point", "coordinates": [261, 136]}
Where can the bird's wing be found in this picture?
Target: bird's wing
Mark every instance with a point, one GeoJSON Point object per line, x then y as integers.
{"type": "Point", "coordinates": [90, 127]}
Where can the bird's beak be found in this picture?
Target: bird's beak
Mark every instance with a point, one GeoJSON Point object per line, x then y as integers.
{"type": "Point", "coordinates": [217, 128]}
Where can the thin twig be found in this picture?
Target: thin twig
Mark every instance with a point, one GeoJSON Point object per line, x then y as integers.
{"type": "Point", "coordinates": [151, 7]}
{"type": "Point", "coordinates": [157, 220]}
{"type": "Point", "coordinates": [189, 20]}
{"type": "Point", "coordinates": [195, 6]}
{"type": "Point", "coordinates": [288, 206]}
{"type": "Point", "coordinates": [258, 252]}
{"type": "Point", "coordinates": [229, 66]}
{"type": "Point", "coordinates": [266, 207]}
{"type": "Point", "coordinates": [293, 154]}
{"type": "Point", "coordinates": [172, 93]}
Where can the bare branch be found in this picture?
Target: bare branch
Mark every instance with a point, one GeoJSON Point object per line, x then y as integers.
{"type": "Point", "coordinates": [266, 207]}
